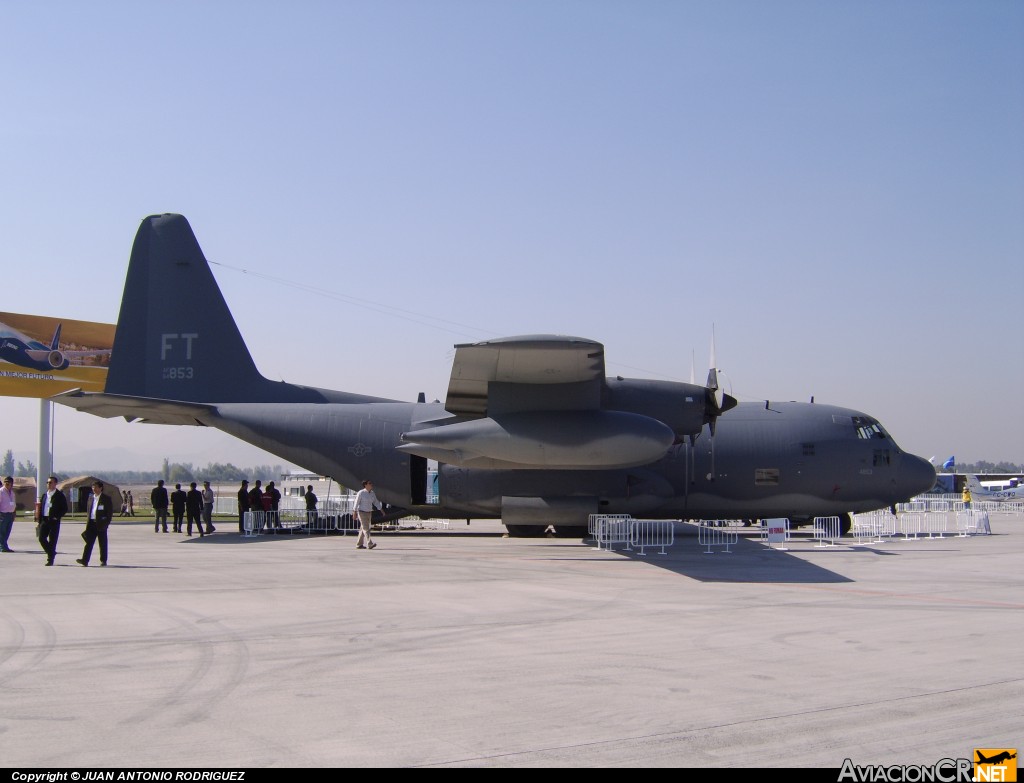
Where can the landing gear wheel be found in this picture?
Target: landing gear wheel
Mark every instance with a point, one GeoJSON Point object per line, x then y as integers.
{"type": "Point", "coordinates": [570, 531]}
{"type": "Point", "coordinates": [845, 524]}
{"type": "Point", "coordinates": [526, 531]}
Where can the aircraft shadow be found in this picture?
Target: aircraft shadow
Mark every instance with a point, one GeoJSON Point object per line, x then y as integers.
{"type": "Point", "coordinates": [748, 560]}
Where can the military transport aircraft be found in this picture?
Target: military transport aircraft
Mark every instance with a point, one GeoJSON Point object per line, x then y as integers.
{"type": "Point", "coordinates": [531, 432]}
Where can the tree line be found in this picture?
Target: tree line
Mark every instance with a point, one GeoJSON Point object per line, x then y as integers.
{"type": "Point", "coordinates": [170, 472]}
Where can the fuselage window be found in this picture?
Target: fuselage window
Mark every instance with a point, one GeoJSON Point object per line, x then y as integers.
{"type": "Point", "coordinates": [881, 457]}
{"type": "Point", "coordinates": [766, 476]}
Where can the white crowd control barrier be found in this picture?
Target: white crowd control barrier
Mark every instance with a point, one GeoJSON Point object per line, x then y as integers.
{"type": "Point", "coordinates": [651, 533]}
{"type": "Point", "coordinates": [982, 526]}
{"type": "Point", "coordinates": [288, 521]}
{"type": "Point", "coordinates": [871, 528]}
{"type": "Point", "coordinates": [911, 524]}
{"type": "Point", "coordinates": [252, 521]}
{"type": "Point", "coordinates": [826, 531]}
{"type": "Point", "coordinates": [712, 533]}
{"type": "Point", "coordinates": [934, 524]}
{"type": "Point", "coordinates": [592, 521]}
{"type": "Point", "coordinates": [913, 506]}
{"type": "Point", "coordinates": [435, 524]}
{"type": "Point", "coordinates": [967, 522]}
{"type": "Point", "coordinates": [611, 530]}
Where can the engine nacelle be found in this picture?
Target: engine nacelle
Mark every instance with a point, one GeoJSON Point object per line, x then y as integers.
{"type": "Point", "coordinates": [57, 361]}
{"type": "Point", "coordinates": [567, 440]}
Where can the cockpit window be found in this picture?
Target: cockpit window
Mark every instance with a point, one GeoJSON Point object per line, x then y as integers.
{"type": "Point", "coordinates": [868, 428]}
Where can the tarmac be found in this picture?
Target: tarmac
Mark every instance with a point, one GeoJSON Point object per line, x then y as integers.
{"type": "Point", "coordinates": [467, 649]}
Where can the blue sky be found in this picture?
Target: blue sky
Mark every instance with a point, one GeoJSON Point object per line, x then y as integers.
{"type": "Point", "coordinates": [837, 186]}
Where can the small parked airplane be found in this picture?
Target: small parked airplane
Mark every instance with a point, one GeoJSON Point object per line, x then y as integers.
{"type": "Point", "coordinates": [979, 492]}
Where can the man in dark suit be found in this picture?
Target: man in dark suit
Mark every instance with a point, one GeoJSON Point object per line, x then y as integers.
{"type": "Point", "coordinates": [194, 509]}
{"type": "Point", "coordinates": [256, 505]}
{"type": "Point", "coordinates": [53, 505]}
{"type": "Point", "coordinates": [178, 498]}
{"type": "Point", "coordinates": [100, 512]}
{"type": "Point", "coordinates": [243, 504]}
{"type": "Point", "coordinates": [275, 505]}
{"type": "Point", "coordinates": [158, 497]}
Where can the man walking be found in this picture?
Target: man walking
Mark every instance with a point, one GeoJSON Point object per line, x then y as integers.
{"type": "Point", "coordinates": [194, 509]}
{"type": "Point", "coordinates": [178, 507]}
{"type": "Point", "coordinates": [366, 500]}
{"type": "Point", "coordinates": [53, 505]}
{"type": "Point", "coordinates": [100, 512]}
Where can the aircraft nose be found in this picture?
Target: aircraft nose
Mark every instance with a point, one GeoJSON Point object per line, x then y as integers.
{"type": "Point", "coordinates": [916, 476]}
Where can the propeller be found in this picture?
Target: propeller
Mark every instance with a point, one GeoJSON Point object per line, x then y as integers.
{"type": "Point", "coordinates": [716, 401]}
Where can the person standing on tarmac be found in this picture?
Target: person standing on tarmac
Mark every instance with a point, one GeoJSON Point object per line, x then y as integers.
{"type": "Point", "coordinates": [207, 494]}
{"type": "Point", "coordinates": [8, 508]}
{"type": "Point", "coordinates": [275, 505]}
{"type": "Point", "coordinates": [194, 509]}
{"type": "Point", "coordinates": [311, 501]}
{"type": "Point", "coordinates": [243, 504]}
{"type": "Point", "coordinates": [158, 497]}
{"type": "Point", "coordinates": [366, 500]}
{"type": "Point", "coordinates": [178, 498]}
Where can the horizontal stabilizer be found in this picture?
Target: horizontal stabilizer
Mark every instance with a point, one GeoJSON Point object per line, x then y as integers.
{"type": "Point", "coordinates": [109, 406]}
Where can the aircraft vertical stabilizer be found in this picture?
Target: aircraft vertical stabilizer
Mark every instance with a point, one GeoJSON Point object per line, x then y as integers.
{"type": "Point", "coordinates": [175, 323]}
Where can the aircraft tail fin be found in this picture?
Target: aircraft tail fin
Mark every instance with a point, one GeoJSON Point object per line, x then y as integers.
{"type": "Point", "coordinates": [176, 338]}
{"type": "Point", "coordinates": [55, 342]}
{"type": "Point", "coordinates": [974, 485]}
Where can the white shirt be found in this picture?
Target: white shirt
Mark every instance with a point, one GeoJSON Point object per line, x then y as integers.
{"type": "Point", "coordinates": [46, 503]}
{"type": "Point", "coordinates": [366, 500]}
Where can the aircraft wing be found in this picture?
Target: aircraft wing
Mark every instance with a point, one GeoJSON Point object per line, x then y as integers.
{"type": "Point", "coordinates": [538, 372]}
{"type": "Point", "coordinates": [151, 411]}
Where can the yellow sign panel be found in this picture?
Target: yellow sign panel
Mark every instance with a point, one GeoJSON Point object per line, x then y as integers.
{"type": "Point", "coordinates": [995, 765]}
{"type": "Point", "coordinates": [41, 356]}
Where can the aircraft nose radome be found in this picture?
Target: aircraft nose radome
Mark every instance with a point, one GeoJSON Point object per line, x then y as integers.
{"type": "Point", "coordinates": [917, 475]}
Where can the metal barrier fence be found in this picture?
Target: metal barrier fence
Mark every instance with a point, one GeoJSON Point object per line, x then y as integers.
{"type": "Point", "coordinates": [652, 533]}
{"type": "Point", "coordinates": [294, 521]}
{"type": "Point", "coordinates": [612, 529]}
{"type": "Point", "coordinates": [872, 528]}
{"type": "Point", "coordinates": [826, 531]}
{"type": "Point", "coordinates": [594, 519]}
{"type": "Point", "coordinates": [934, 523]}
{"type": "Point", "coordinates": [713, 532]}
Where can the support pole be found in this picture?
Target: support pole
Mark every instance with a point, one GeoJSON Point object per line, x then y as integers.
{"type": "Point", "coordinates": [45, 465]}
